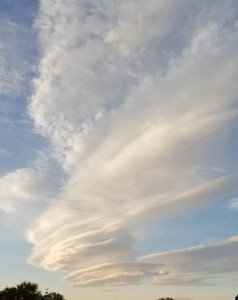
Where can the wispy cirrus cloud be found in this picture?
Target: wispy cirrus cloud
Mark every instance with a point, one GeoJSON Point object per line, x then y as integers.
{"type": "Point", "coordinates": [4, 152]}
{"type": "Point", "coordinates": [233, 204]}
{"type": "Point", "coordinates": [138, 103]}
{"type": "Point", "coordinates": [16, 59]}
{"type": "Point", "coordinates": [21, 186]}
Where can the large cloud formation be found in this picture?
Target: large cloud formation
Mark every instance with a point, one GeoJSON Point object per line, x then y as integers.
{"type": "Point", "coordinates": [139, 102]}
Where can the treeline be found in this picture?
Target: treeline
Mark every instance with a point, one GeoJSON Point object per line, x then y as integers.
{"type": "Point", "coordinates": [31, 291]}
{"type": "Point", "coordinates": [28, 291]}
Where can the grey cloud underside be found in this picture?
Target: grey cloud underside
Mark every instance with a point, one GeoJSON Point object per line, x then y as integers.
{"type": "Point", "coordinates": [139, 103]}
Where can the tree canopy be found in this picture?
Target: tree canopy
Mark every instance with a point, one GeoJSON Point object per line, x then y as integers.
{"type": "Point", "coordinates": [28, 291]}
{"type": "Point", "coordinates": [167, 298]}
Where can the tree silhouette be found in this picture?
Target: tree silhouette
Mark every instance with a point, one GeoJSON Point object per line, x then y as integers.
{"type": "Point", "coordinates": [28, 291]}
{"type": "Point", "coordinates": [9, 294]}
{"type": "Point", "coordinates": [167, 298]}
{"type": "Point", "coordinates": [53, 296]}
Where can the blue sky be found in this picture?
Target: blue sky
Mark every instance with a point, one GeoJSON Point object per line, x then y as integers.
{"type": "Point", "coordinates": [118, 152]}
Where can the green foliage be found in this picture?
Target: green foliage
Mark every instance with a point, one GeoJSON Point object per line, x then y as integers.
{"type": "Point", "coordinates": [28, 291]}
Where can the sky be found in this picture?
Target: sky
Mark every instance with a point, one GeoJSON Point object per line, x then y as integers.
{"type": "Point", "coordinates": [118, 147]}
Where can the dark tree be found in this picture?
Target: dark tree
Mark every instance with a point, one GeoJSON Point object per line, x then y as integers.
{"type": "Point", "coordinates": [28, 291]}
{"type": "Point", "coordinates": [9, 294]}
{"type": "Point", "coordinates": [53, 296]}
{"type": "Point", "coordinates": [167, 298]}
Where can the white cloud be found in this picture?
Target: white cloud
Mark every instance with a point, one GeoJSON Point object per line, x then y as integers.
{"type": "Point", "coordinates": [196, 265]}
{"type": "Point", "coordinates": [233, 204]}
{"type": "Point", "coordinates": [140, 120]}
{"type": "Point", "coordinates": [23, 185]}
{"type": "Point", "coordinates": [192, 266]}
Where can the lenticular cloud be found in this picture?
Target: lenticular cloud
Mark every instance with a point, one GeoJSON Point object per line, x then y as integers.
{"type": "Point", "coordinates": [137, 100]}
